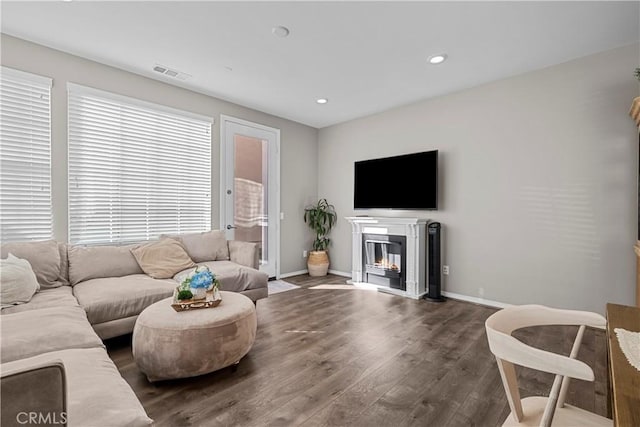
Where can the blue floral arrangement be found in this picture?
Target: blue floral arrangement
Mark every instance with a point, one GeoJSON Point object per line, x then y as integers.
{"type": "Point", "coordinates": [201, 279]}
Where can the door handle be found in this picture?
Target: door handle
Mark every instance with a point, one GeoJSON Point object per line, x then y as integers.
{"type": "Point", "coordinates": [229, 226]}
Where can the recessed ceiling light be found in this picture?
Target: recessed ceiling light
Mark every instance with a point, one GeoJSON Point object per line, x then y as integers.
{"type": "Point", "coordinates": [437, 59]}
{"type": "Point", "coordinates": [280, 31]}
{"type": "Point", "coordinates": [322, 100]}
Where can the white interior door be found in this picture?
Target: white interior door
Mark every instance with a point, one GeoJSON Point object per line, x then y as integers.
{"type": "Point", "coordinates": [250, 182]}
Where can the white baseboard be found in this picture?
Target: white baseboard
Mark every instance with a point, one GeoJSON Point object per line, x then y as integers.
{"type": "Point", "coordinates": [475, 300]}
{"type": "Point", "coordinates": [299, 272]}
{"type": "Point", "coordinates": [340, 273]}
{"type": "Point", "coordinates": [293, 273]}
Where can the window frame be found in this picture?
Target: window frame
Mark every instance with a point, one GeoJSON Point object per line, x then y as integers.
{"type": "Point", "coordinates": [148, 119]}
{"type": "Point", "coordinates": [40, 156]}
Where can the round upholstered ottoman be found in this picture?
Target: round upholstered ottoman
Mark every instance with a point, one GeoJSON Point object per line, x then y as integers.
{"type": "Point", "coordinates": [168, 344]}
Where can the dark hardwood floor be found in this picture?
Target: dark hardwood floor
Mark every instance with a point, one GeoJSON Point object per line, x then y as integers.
{"type": "Point", "coordinates": [354, 357]}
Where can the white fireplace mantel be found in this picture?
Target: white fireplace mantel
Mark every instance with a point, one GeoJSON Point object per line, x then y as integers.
{"type": "Point", "coordinates": [414, 229]}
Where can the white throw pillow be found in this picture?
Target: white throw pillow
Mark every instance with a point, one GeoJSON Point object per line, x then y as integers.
{"type": "Point", "coordinates": [18, 282]}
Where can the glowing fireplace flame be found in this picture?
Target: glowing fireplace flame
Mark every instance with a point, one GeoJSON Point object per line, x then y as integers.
{"type": "Point", "coordinates": [386, 264]}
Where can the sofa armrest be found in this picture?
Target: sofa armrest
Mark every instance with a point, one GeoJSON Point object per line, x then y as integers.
{"type": "Point", "coordinates": [34, 394]}
{"type": "Point", "coordinates": [244, 253]}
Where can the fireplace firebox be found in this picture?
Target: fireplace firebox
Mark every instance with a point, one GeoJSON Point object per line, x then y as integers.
{"type": "Point", "coordinates": [384, 260]}
{"type": "Point", "coordinates": [410, 280]}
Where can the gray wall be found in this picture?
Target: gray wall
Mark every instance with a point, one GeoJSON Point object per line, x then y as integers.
{"type": "Point", "coordinates": [538, 177]}
{"type": "Point", "coordinates": [298, 142]}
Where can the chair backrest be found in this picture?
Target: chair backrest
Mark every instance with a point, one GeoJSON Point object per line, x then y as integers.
{"type": "Point", "coordinates": [509, 351]}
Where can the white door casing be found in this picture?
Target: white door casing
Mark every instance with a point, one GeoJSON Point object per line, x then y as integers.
{"type": "Point", "coordinates": [242, 200]}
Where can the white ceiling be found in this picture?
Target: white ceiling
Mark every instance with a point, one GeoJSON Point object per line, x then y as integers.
{"type": "Point", "coordinates": [365, 57]}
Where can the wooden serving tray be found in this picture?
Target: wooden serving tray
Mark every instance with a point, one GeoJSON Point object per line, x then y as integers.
{"type": "Point", "coordinates": [213, 299]}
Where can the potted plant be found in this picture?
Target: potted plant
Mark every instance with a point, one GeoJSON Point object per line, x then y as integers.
{"type": "Point", "coordinates": [197, 283]}
{"type": "Point", "coordinates": [321, 218]}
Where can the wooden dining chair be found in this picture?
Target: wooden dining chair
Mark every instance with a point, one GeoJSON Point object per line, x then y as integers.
{"type": "Point", "coordinates": [537, 410]}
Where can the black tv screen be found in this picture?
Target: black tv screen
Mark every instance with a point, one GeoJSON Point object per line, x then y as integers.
{"type": "Point", "coordinates": [401, 182]}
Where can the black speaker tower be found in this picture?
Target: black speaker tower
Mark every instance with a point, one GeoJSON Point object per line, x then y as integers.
{"type": "Point", "coordinates": [434, 263]}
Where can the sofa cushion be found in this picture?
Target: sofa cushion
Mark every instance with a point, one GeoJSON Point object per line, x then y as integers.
{"type": "Point", "coordinates": [244, 253]}
{"type": "Point", "coordinates": [96, 393]}
{"type": "Point", "coordinates": [46, 298]}
{"type": "Point", "coordinates": [33, 332]}
{"type": "Point", "coordinates": [233, 277]}
{"type": "Point", "coordinates": [162, 259]}
{"type": "Point", "coordinates": [92, 262]}
{"type": "Point", "coordinates": [206, 246]}
{"type": "Point", "coordinates": [18, 282]}
{"type": "Point", "coordinates": [44, 258]}
{"type": "Point", "coordinates": [112, 298]}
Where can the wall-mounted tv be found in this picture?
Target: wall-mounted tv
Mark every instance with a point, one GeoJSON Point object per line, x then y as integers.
{"type": "Point", "coordinates": [409, 181]}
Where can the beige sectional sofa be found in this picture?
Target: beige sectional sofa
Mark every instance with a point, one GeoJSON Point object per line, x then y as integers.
{"type": "Point", "coordinates": [88, 294]}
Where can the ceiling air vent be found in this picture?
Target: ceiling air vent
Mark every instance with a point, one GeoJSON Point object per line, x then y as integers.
{"type": "Point", "coordinates": [171, 73]}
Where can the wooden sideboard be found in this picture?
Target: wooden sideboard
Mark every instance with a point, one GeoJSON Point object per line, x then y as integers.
{"type": "Point", "coordinates": [624, 378]}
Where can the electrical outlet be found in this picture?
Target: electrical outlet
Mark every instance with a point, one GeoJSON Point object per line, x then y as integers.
{"type": "Point", "coordinates": [304, 254]}
{"type": "Point", "coordinates": [445, 270]}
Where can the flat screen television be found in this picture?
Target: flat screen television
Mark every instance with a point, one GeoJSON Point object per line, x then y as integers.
{"type": "Point", "coordinates": [409, 181]}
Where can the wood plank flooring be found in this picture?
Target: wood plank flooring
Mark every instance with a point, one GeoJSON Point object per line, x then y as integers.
{"type": "Point", "coordinates": [333, 357]}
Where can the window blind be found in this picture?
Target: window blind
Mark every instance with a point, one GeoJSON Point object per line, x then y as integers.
{"type": "Point", "coordinates": [136, 170]}
{"type": "Point", "coordinates": [25, 156]}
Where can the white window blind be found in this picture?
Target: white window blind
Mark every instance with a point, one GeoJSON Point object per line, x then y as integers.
{"type": "Point", "coordinates": [136, 170]}
{"type": "Point", "coordinates": [25, 156]}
